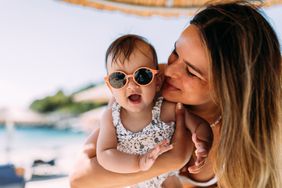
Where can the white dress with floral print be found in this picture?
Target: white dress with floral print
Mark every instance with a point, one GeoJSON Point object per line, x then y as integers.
{"type": "Point", "coordinates": [141, 142]}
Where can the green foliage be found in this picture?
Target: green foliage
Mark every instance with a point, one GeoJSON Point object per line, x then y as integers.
{"type": "Point", "coordinates": [61, 103]}
{"type": "Point", "coordinates": [83, 88]}
{"type": "Point", "coordinates": [77, 108]}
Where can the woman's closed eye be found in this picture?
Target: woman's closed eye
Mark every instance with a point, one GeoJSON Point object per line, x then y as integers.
{"type": "Point", "coordinates": [193, 73]}
{"type": "Point", "coordinates": [189, 73]}
{"type": "Point", "coordinates": [174, 56]}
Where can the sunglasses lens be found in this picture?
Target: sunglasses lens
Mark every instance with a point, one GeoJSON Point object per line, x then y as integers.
{"type": "Point", "coordinates": [143, 76]}
{"type": "Point", "coordinates": [117, 80]}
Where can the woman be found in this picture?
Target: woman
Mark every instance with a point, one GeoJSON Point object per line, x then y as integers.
{"type": "Point", "coordinates": [226, 68]}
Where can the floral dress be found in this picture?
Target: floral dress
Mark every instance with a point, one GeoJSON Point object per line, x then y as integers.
{"type": "Point", "coordinates": [141, 142]}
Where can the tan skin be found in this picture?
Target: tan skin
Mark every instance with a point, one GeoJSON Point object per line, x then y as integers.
{"type": "Point", "coordinates": [187, 81]}
{"type": "Point", "coordinates": [89, 174]}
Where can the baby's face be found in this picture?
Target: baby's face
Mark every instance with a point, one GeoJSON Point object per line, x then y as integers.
{"type": "Point", "coordinates": [133, 96]}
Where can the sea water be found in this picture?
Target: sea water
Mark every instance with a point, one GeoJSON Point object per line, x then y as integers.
{"type": "Point", "coordinates": [39, 137]}
{"type": "Point", "coordinates": [23, 145]}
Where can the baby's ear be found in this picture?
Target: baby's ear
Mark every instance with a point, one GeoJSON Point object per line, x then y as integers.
{"type": "Point", "coordinates": [109, 87]}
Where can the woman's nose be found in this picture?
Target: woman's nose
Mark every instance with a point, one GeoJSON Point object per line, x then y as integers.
{"type": "Point", "coordinates": [173, 69]}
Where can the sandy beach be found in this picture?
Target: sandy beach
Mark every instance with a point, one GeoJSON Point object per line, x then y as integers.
{"type": "Point", "coordinates": [64, 158]}
{"type": "Point", "coordinates": [49, 183]}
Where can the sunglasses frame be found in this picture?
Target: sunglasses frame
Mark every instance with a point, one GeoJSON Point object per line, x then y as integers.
{"type": "Point", "coordinates": [127, 76]}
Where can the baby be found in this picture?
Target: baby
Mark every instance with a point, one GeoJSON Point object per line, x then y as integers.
{"type": "Point", "coordinates": [140, 124]}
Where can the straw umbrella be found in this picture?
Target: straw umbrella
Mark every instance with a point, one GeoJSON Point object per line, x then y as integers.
{"type": "Point", "coordinates": [166, 8]}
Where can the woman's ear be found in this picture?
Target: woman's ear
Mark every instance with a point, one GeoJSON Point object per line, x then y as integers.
{"type": "Point", "coordinates": [159, 81]}
{"type": "Point", "coordinates": [160, 76]}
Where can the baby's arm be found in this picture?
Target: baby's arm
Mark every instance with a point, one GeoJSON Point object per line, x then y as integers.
{"type": "Point", "coordinates": [107, 154]}
{"type": "Point", "coordinates": [116, 161]}
{"type": "Point", "coordinates": [88, 173]}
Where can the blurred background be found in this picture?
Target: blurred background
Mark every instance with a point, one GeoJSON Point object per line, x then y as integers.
{"type": "Point", "coordinates": [52, 67]}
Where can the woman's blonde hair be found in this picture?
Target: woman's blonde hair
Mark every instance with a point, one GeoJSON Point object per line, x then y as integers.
{"type": "Point", "coordinates": [246, 72]}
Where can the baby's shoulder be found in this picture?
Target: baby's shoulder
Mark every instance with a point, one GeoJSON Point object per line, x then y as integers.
{"type": "Point", "coordinates": [107, 114]}
{"type": "Point", "coordinates": [167, 111]}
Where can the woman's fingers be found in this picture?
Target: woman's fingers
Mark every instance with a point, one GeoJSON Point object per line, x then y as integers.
{"type": "Point", "coordinates": [201, 152]}
{"type": "Point", "coordinates": [201, 146]}
{"type": "Point", "coordinates": [179, 117]}
{"type": "Point", "coordinates": [197, 167]}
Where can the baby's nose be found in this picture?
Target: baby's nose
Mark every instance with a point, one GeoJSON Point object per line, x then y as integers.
{"type": "Point", "coordinates": [131, 84]}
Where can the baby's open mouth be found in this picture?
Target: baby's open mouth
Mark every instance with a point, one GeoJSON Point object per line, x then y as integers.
{"type": "Point", "coordinates": [135, 98]}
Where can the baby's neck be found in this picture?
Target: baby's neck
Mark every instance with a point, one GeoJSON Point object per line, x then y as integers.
{"type": "Point", "coordinates": [144, 114]}
{"type": "Point", "coordinates": [136, 121]}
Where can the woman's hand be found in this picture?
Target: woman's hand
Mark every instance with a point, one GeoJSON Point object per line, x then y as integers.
{"type": "Point", "coordinates": [201, 153]}
{"type": "Point", "coordinates": [90, 145]}
{"type": "Point", "coordinates": [202, 138]}
{"type": "Point", "coordinates": [181, 140]}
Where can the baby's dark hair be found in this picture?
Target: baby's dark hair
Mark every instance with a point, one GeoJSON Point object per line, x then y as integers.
{"type": "Point", "coordinates": [126, 45]}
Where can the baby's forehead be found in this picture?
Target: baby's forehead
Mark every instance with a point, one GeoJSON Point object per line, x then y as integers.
{"type": "Point", "coordinates": [142, 51]}
{"type": "Point", "coordinates": [139, 47]}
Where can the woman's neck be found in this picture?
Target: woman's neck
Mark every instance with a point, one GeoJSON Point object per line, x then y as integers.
{"type": "Point", "coordinates": [210, 111]}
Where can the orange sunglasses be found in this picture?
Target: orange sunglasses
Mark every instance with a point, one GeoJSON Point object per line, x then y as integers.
{"type": "Point", "coordinates": [142, 76]}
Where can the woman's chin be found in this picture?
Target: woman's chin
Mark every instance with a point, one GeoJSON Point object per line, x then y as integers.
{"type": "Point", "coordinates": [170, 96]}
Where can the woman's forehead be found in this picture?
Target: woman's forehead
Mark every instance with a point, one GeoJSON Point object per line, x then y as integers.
{"type": "Point", "coordinates": [192, 49]}
{"type": "Point", "coordinates": [190, 38]}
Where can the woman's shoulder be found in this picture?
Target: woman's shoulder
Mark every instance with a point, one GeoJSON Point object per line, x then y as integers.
{"type": "Point", "coordinates": [167, 111]}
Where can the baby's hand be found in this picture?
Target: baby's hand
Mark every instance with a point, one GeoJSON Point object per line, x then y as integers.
{"type": "Point", "coordinates": [147, 160]}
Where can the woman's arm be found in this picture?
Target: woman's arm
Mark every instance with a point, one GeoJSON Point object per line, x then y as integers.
{"type": "Point", "coordinates": [89, 174]}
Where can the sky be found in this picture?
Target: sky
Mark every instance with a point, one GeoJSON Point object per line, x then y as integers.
{"type": "Point", "coordinates": [49, 45]}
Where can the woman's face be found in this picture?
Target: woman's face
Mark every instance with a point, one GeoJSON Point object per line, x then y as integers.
{"type": "Point", "coordinates": [187, 79]}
